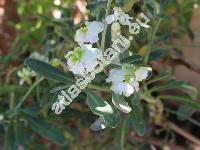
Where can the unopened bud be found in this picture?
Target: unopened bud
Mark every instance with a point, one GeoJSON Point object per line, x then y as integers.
{"type": "Point", "coordinates": [115, 31]}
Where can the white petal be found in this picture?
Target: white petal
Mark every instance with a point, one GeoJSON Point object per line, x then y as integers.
{"type": "Point", "coordinates": [116, 75]}
{"type": "Point", "coordinates": [80, 37]}
{"type": "Point", "coordinates": [110, 19]}
{"type": "Point", "coordinates": [135, 85]}
{"type": "Point", "coordinates": [95, 27]}
{"type": "Point", "coordinates": [122, 88]}
{"type": "Point", "coordinates": [90, 65]}
{"type": "Point", "coordinates": [141, 74]}
{"type": "Point", "coordinates": [91, 37]}
{"type": "Point", "coordinates": [77, 68]}
{"type": "Point", "coordinates": [127, 89]}
{"type": "Point", "coordinates": [115, 88]}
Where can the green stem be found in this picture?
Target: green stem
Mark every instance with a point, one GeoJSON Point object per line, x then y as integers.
{"type": "Point", "coordinates": [146, 59]}
{"type": "Point", "coordinates": [99, 88]}
{"type": "Point", "coordinates": [103, 39]}
{"type": "Point", "coordinates": [29, 91]}
{"type": "Point", "coordinates": [11, 100]}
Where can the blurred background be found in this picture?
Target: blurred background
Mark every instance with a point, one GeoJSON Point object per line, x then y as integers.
{"type": "Point", "coordinates": [45, 29]}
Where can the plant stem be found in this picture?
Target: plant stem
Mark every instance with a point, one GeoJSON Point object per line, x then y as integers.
{"type": "Point", "coordinates": [99, 88]}
{"type": "Point", "coordinates": [103, 39]}
{"type": "Point", "coordinates": [12, 100]}
{"type": "Point", "coordinates": [149, 47]}
{"type": "Point", "coordinates": [29, 91]}
{"type": "Point", "coordinates": [184, 133]}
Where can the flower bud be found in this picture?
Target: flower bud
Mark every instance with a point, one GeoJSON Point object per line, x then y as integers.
{"type": "Point", "coordinates": [115, 31]}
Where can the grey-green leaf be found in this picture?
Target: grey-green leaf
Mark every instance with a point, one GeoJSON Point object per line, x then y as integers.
{"type": "Point", "coordinates": [48, 71]}
{"type": "Point", "coordinates": [46, 130]}
{"type": "Point", "coordinates": [132, 59]}
{"type": "Point", "coordinates": [120, 103]}
{"type": "Point", "coordinates": [100, 107]}
{"type": "Point", "coordinates": [137, 119]}
{"type": "Point", "coordinates": [98, 125]}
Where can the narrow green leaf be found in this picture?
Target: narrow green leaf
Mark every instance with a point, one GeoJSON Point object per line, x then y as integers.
{"type": "Point", "coordinates": [184, 116]}
{"type": "Point", "coordinates": [164, 4]}
{"type": "Point", "coordinates": [48, 71]}
{"type": "Point", "coordinates": [120, 103]}
{"type": "Point", "coordinates": [100, 107]}
{"type": "Point", "coordinates": [9, 137]}
{"type": "Point", "coordinates": [160, 77]}
{"type": "Point", "coordinates": [186, 111]}
{"type": "Point", "coordinates": [46, 130]}
{"type": "Point", "coordinates": [190, 90]}
{"type": "Point", "coordinates": [132, 59]}
{"type": "Point", "coordinates": [182, 99]}
{"type": "Point", "coordinates": [59, 88]}
{"type": "Point", "coordinates": [20, 135]}
{"type": "Point", "coordinates": [173, 84]}
{"type": "Point", "coordinates": [157, 54]}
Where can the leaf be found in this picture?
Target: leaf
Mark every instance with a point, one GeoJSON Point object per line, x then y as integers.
{"type": "Point", "coordinates": [98, 125]}
{"type": "Point", "coordinates": [190, 90]}
{"type": "Point", "coordinates": [173, 84]}
{"type": "Point", "coordinates": [100, 107]}
{"type": "Point", "coordinates": [182, 99]}
{"type": "Point", "coordinates": [160, 77]}
{"type": "Point", "coordinates": [46, 130]}
{"type": "Point", "coordinates": [136, 98]}
{"type": "Point", "coordinates": [20, 136]}
{"type": "Point", "coordinates": [184, 116]}
{"type": "Point", "coordinates": [186, 111]}
{"type": "Point", "coordinates": [164, 4]}
{"type": "Point", "coordinates": [9, 137]}
{"type": "Point", "coordinates": [120, 103]}
{"type": "Point", "coordinates": [137, 119]}
{"type": "Point", "coordinates": [157, 54]}
{"type": "Point", "coordinates": [59, 88]}
{"type": "Point", "coordinates": [48, 71]}
{"type": "Point", "coordinates": [132, 59]}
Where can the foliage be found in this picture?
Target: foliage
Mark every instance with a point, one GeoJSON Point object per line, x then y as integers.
{"type": "Point", "coordinates": [26, 118]}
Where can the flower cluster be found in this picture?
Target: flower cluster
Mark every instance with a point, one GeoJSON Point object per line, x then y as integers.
{"type": "Point", "coordinates": [126, 82]}
{"type": "Point", "coordinates": [84, 58]}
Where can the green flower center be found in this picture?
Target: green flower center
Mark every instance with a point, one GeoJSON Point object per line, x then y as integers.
{"type": "Point", "coordinates": [78, 54]}
{"type": "Point", "coordinates": [128, 78]}
{"type": "Point", "coordinates": [84, 29]}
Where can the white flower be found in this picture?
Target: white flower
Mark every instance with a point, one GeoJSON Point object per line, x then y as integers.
{"type": "Point", "coordinates": [25, 75]}
{"type": "Point", "coordinates": [122, 82]}
{"type": "Point", "coordinates": [141, 74]}
{"type": "Point", "coordinates": [89, 33]}
{"type": "Point", "coordinates": [83, 59]}
{"type": "Point", "coordinates": [122, 88]}
{"type": "Point", "coordinates": [119, 15]}
{"type": "Point", "coordinates": [116, 75]}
